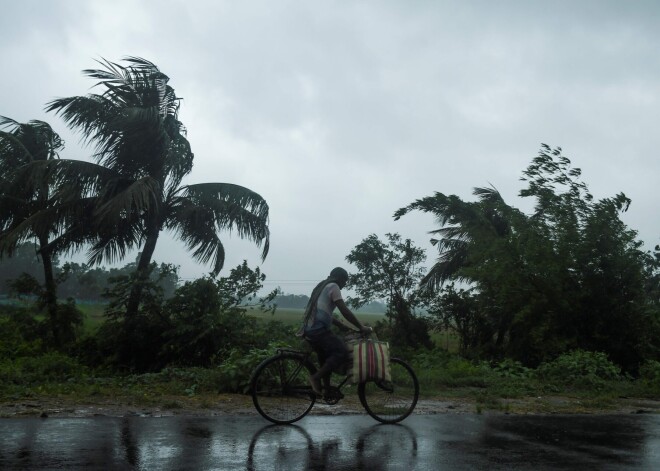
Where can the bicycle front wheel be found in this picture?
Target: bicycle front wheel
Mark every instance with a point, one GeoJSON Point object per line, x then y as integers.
{"type": "Point", "coordinates": [391, 402]}
{"type": "Point", "coordinates": [280, 389]}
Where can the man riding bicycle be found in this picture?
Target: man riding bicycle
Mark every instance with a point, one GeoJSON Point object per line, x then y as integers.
{"type": "Point", "coordinates": [318, 320]}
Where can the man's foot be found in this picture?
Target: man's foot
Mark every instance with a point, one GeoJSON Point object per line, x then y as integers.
{"type": "Point", "coordinates": [332, 395]}
{"type": "Point", "coordinates": [315, 383]}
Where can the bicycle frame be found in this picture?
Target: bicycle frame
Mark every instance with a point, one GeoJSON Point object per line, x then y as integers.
{"type": "Point", "coordinates": [281, 393]}
{"type": "Point", "coordinates": [306, 357]}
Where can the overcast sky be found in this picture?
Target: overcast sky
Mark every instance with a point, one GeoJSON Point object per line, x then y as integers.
{"type": "Point", "coordinates": [340, 112]}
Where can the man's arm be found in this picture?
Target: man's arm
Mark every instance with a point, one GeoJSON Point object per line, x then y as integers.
{"type": "Point", "coordinates": [350, 317]}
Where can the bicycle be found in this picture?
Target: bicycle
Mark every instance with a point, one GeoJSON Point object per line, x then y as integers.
{"type": "Point", "coordinates": [281, 392]}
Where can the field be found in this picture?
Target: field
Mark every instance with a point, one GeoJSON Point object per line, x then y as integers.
{"type": "Point", "coordinates": [294, 316]}
{"type": "Point", "coordinates": [94, 315]}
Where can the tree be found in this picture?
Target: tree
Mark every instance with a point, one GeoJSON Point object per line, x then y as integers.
{"type": "Point", "coordinates": [142, 155]}
{"type": "Point", "coordinates": [477, 245]}
{"type": "Point", "coordinates": [391, 271]}
{"type": "Point", "coordinates": [456, 310]}
{"type": "Point", "coordinates": [203, 320]}
{"type": "Point", "coordinates": [570, 275]}
{"type": "Point", "coordinates": [208, 318]}
{"type": "Point", "coordinates": [28, 206]}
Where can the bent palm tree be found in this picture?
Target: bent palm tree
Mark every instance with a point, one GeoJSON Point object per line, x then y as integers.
{"type": "Point", "coordinates": [24, 201]}
{"type": "Point", "coordinates": [142, 155]}
{"type": "Point", "coordinates": [465, 229]}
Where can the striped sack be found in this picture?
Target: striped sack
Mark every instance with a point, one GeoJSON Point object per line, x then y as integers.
{"type": "Point", "coordinates": [371, 361]}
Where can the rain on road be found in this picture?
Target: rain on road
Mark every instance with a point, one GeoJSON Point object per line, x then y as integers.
{"type": "Point", "coordinates": [346, 442]}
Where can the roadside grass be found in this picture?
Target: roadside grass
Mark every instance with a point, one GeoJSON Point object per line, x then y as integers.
{"type": "Point", "coordinates": [579, 382]}
{"type": "Point", "coordinates": [503, 388]}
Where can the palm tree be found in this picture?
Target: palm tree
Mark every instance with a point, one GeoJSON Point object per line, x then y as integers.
{"type": "Point", "coordinates": [476, 244]}
{"type": "Point", "coordinates": [465, 228]}
{"type": "Point", "coordinates": [142, 155]}
{"type": "Point", "coordinates": [24, 202]}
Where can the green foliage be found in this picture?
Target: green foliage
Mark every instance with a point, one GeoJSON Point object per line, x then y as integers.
{"type": "Point", "coordinates": [135, 342]}
{"type": "Point", "coordinates": [30, 209]}
{"type": "Point", "coordinates": [438, 369]}
{"type": "Point", "coordinates": [580, 369]}
{"type": "Point", "coordinates": [512, 369]}
{"type": "Point", "coordinates": [22, 275]}
{"type": "Point", "coordinates": [457, 311]}
{"type": "Point", "coordinates": [236, 370]}
{"type": "Point", "coordinates": [650, 371]}
{"type": "Point", "coordinates": [23, 260]}
{"type": "Point", "coordinates": [197, 326]}
{"type": "Point", "coordinates": [34, 370]}
{"type": "Point", "coordinates": [390, 270]}
{"type": "Point", "coordinates": [24, 285]}
{"type": "Point", "coordinates": [21, 333]}
{"type": "Point", "coordinates": [135, 189]}
{"type": "Point", "coordinates": [207, 318]}
{"type": "Point", "coordinates": [70, 320]}
{"type": "Point", "coordinates": [569, 276]}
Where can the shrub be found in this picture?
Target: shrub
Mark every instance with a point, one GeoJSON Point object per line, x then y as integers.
{"type": "Point", "coordinates": [649, 372]}
{"type": "Point", "coordinates": [580, 368]}
{"type": "Point", "coordinates": [20, 333]}
{"type": "Point", "coordinates": [512, 369]}
{"type": "Point", "coordinates": [236, 371]}
{"type": "Point", "coordinates": [439, 368]}
{"type": "Point", "coordinates": [49, 367]}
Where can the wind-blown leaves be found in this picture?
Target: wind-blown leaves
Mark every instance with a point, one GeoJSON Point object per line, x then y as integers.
{"type": "Point", "coordinates": [569, 275]}
{"type": "Point", "coordinates": [198, 212]}
{"type": "Point", "coordinates": [143, 155]}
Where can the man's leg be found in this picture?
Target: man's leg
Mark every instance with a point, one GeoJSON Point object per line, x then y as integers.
{"type": "Point", "coordinates": [332, 355]}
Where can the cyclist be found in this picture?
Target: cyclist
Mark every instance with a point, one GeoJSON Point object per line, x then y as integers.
{"type": "Point", "coordinates": [318, 320]}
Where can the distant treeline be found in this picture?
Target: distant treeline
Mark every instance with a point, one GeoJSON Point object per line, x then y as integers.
{"type": "Point", "coordinates": [82, 282]}
{"type": "Point", "coordinates": [75, 280]}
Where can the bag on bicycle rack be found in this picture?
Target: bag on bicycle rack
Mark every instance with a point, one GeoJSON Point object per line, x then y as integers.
{"type": "Point", "coordinates": [371, 361]}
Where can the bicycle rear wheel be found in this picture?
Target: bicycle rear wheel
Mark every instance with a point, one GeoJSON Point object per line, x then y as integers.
{"type": "Point", "coordinates": [391, 402]}
{"type": "Point", "coordinates": [280, 389]}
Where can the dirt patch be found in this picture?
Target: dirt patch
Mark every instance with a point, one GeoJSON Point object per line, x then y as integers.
{"type": "Point", "coordinates": [223, 404]}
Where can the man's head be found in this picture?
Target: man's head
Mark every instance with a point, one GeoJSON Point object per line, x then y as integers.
{"type": "Point", "coordinates": [340, 276]}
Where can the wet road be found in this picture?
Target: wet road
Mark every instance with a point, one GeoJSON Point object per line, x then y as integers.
{"type": "Point", "coordinates": [431, 442]}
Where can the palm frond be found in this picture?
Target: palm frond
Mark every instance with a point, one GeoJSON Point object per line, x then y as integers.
{"type": "Point", "coordinates": [489, 195]}
{"type": "Point", "coordinates": [230, 207]}
{"type": "Point", "coordinates": [113, 244]}
{"type": "Point", "coordinates": [121, 198]}
{"type": "Point", "coordinates": [199, 212]}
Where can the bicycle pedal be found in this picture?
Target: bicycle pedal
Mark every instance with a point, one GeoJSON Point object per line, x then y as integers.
{"type": "Point", "coordinates": [333, 396]}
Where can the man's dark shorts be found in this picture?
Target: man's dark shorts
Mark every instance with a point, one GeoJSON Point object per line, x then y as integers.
{"type": "Point", "coordinates": [329, 348]}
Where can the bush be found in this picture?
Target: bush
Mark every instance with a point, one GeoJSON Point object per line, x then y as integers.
{"type": "Point", "coordinates": [236, 371]}
{"type": "Point", "coordinates": [20, 333]}
{"type": "Point", "coordinates": [649, 373]}
{"type": "Point", "coordinates": [49, 367]}
{"type": "Point", "coordinates": [512, 369]}
{"type": "Point", "coordinates": [439, 368]}
{"type": "Point", "coordinates": [580, 368]}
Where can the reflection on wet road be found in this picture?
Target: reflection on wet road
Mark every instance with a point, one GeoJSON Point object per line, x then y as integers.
{"type": "Point", "coordinates": [433, 442]}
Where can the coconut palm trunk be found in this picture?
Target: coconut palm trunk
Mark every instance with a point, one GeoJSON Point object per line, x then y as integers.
{"type": "Point", "coordinates": [142, 273]}
{"type": "Point", "coordinates": [50, 293]}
